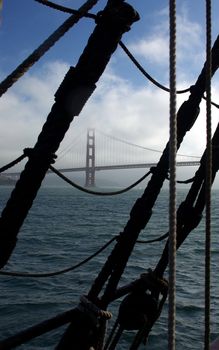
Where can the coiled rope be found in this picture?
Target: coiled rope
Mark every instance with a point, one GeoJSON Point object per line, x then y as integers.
{"type": "Point", "coordinates": [172, 171]}
{"type": "Point", "coordinates": [45, 46]}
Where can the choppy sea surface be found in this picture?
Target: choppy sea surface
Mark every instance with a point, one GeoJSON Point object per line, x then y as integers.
{"type": "Point", "coordinates": [64, 227]}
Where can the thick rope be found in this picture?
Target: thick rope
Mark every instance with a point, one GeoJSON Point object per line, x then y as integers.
{"type": "Point", "coordinates": [98, 193]}
{"type": "Point", "coordinates": [44, 47]}
{"type": "Point", "coordinates": [208, 178]}
{"type": "Point", "coordinates": [172, 171]}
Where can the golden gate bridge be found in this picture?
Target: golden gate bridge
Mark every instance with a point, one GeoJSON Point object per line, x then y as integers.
{"type": "Point", "coordinates": [107, 152]}
{"type": "Point", "coordinates": [92, 151]}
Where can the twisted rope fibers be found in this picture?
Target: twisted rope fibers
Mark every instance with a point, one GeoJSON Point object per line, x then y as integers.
{"type": "Point", "coordinates": [172, 171]}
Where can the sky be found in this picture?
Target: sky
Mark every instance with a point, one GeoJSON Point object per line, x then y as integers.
{"type": "Point", "coordinates": [124, 103]}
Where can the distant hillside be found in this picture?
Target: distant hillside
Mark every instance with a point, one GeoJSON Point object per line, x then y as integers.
{"type": "Point", "coordinates": [6, 181]}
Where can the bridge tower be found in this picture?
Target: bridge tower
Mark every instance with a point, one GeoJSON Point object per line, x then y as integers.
{"type": "Point", "coordinates": [90, 159]}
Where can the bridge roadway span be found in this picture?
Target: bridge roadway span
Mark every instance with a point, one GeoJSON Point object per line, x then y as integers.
{"type": "Point", "coordinates": [126, 166]}
{"type": "Point", "coordinates": [113, 167]}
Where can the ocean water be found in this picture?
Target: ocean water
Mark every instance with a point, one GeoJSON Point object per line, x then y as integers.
{"type": "Point", "coordinates": [64, 227]}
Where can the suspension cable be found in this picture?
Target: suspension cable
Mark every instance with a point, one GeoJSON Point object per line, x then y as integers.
{"type": "Point", "coordinates": [148, 76]}
{"type": "Point", "coordinates": [45, 46]}
{"type": "Point", "coordinates": [59, 272]}
{"type": "Point", "coordinates": [142, 147]}
{"type": "Point", "coordinates": [98, 193]}
{"type": "Point", "coordinates": [74, 267]}
{"type": "Point", "coordinates": [208, 180]}
{"type": "Point", "coordinates": [172, 171]}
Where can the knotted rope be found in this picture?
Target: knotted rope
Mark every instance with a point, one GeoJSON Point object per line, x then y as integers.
{"type": "Point", "coordinates": [87, 306]}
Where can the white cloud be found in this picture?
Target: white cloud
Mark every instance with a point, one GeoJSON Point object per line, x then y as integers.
{"type": "Point", "coordinates": [23, 109]}
{"type": "Point", "coordinates": [154, 47]}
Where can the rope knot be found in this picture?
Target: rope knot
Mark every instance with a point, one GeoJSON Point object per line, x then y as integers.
{"type": "Point", "coordinates": [138, 309]}
{"type": "Point", "coordinates": [48, 157]}
{"type": "Point", "coordinates": [28, 152]}
{"type": "Point", "coordinates": [87, 306]}
{"type": "Point", "coordinates": [153, 170]}
{"type": "Point", "coordinates": [118, 14]}
{"type": "Point", "coordinates": [141, 308]}
{"type": "Point", "coordinates": [155, 283]}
